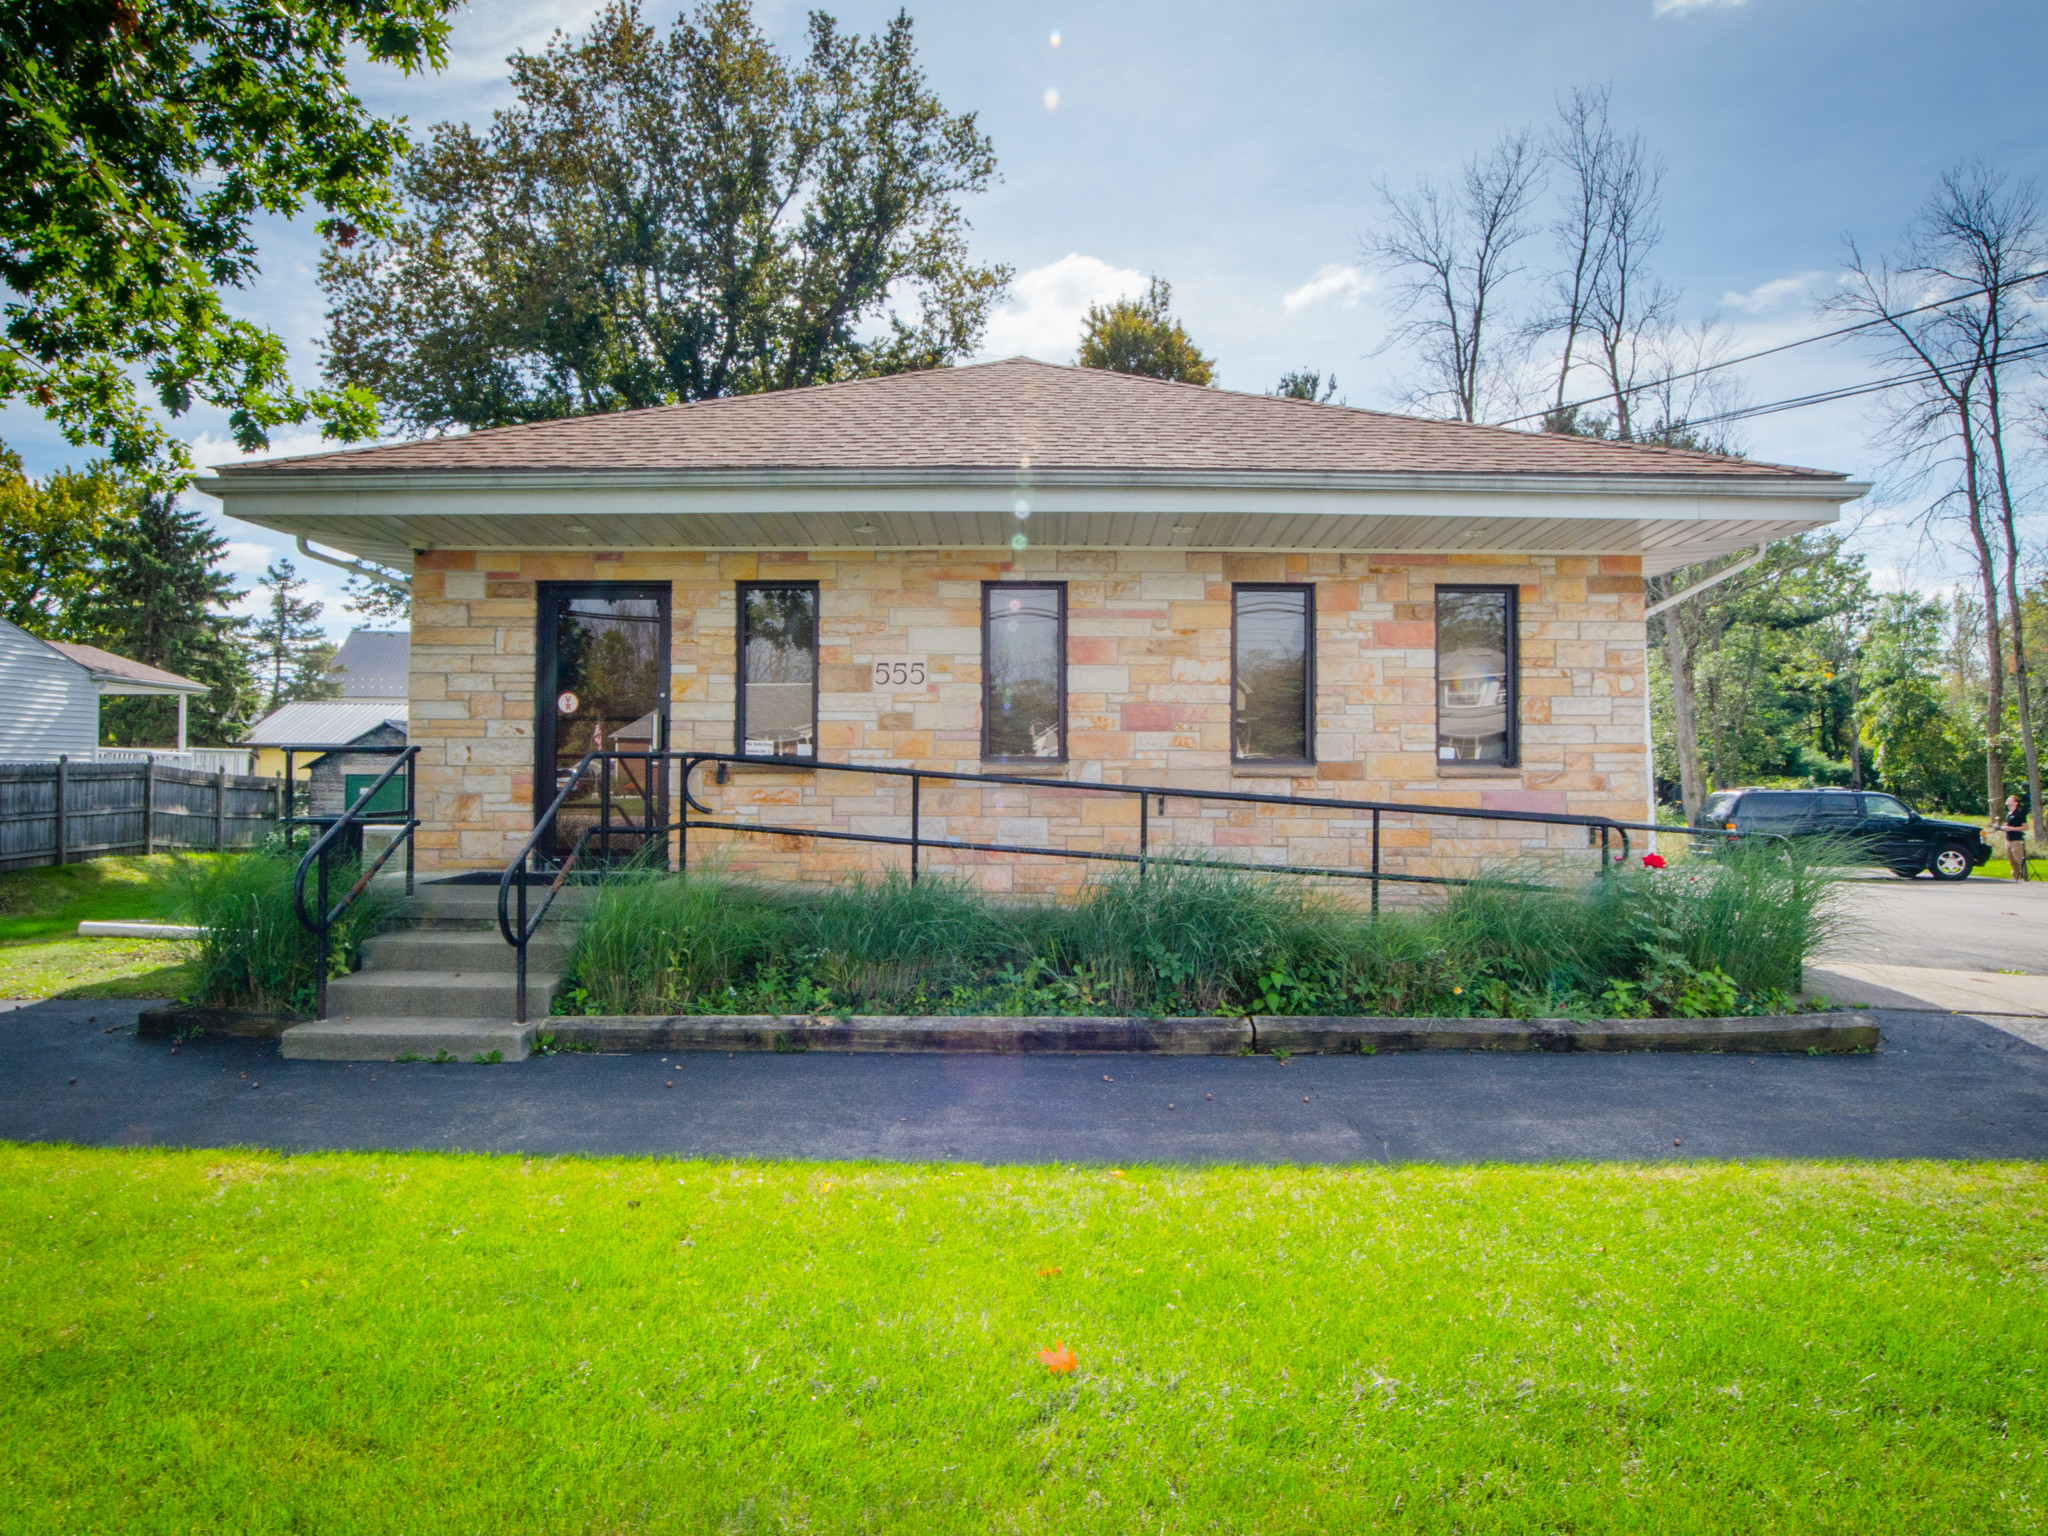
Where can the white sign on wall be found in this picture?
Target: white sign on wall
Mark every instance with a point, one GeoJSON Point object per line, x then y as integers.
{"type": "Point", "coordinates": [899, 674]}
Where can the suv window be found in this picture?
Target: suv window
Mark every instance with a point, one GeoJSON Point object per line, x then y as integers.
{"type": "Point", "coordinates": [1718, 807]}
{"type": "Point", "coordinates": [1774, 810]}
{"type": "Point", "coordinates": [1885, 808]}
{"type": "Point", "coordinates": [1837, 806]}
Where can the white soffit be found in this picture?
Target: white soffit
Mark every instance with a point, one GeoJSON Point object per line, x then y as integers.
{"type": "Point", "coordinates": [387, 517]}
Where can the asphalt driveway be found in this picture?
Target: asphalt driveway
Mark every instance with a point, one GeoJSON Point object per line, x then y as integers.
{"type": "Point", "coordinates": [1944, 1087]}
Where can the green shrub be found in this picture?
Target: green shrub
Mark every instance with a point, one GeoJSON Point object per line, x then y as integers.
{"type": "Point", "coordinates": [255, 953]}
{"type": "Point", "coordinates": [1714, 936]}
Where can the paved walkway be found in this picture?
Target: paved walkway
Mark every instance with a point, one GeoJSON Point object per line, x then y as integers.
{"type": "Point", "coordinates": [1940, 1087]}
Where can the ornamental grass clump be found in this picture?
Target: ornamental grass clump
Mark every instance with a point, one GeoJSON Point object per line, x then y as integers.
{"type": "Point", "coordinates": [655, 944]}
{"type": "Point", "coordinates": [255, 953]}
{"type": "Point", "coordinates": [1715, 936]}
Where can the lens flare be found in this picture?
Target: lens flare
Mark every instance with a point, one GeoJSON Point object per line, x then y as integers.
{"type": "Point", "coordinates": [1055, 38]}
{"type": "Point", "coordinates": [1052, 100]}
{"type": "Point", "coordinates": [1018, 541]}
{"type": "Point", "coordinates": [1022, 509]}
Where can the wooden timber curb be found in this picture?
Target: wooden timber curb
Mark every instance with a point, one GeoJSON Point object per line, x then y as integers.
{"type": "Point", "coordinates": [179, 1021]}
{"type": "Point", "coordinates": [1832, 1033]}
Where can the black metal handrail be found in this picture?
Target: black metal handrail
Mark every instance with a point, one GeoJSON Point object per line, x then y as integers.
{"type": "Point", "coordinates": [516, 873]}
{"type": "Point", "coordinates": [603, 828]}
{"type": "Point", "coordinates": [316, 859]}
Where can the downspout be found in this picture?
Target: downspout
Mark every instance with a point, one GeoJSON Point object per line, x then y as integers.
{"type": "Point", "coordinates": [382, 577]}
{"type": "Point", "coordinates": [1649, 746]}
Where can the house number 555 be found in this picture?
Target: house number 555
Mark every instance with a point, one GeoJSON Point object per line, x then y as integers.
{"type": "Point", "coordinates": [899, 674]}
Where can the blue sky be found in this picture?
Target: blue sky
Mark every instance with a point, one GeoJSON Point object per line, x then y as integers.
{"type": "Point", "coordinates": [1233, 150]}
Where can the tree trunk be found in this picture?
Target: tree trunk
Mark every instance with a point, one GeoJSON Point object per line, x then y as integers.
{"type": "Point", "coordinates": [2020, 678]}
{"type": "Point", "coordinates": [1685, 732]}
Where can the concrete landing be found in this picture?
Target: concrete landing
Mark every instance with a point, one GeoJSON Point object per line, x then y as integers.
{"type": "Point", "coordinates": [405, 1039]}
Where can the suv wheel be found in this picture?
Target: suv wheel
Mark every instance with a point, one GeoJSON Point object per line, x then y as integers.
{"type": "Point", "coordinates": [1951, 861]}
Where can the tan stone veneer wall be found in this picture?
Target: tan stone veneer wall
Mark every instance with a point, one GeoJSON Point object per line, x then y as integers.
{"type": "Point", "coordinates": [1148, 702]}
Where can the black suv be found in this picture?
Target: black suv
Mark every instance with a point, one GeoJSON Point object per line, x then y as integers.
{"type": "Point", "coordinates": [1885, 830]}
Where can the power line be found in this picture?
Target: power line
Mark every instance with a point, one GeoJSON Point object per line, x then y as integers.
{"type": "Point", "coordinates": [1851, 391]}
{"type": "Point", "coordinates": [1806, 341]}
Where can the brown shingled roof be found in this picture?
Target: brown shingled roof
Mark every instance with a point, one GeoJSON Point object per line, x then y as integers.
{"type": "Point", "coordinates": [122, 670]}
{"type": "Point", "coordinates": [998, 415]}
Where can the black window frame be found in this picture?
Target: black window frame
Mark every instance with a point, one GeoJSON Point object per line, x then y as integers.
{"type": "Point", "coordinates": [739, 667]}
{"type": "Point", "coordinates": [1513, 594]}
{"type": "Point", "coordinates": [1308, 657]}
{"type": "Point", "coordinates": [546, 623]}
{"type": "Point", "coordinates": [1061, 650]}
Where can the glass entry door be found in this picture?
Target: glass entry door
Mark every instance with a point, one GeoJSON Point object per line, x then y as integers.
{"type": "Point", "coordinates": [601, 684]}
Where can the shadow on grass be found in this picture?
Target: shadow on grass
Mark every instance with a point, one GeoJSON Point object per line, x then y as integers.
{"type": "Point", "coordinates": [95, 968]}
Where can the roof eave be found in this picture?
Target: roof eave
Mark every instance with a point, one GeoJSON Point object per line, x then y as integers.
{"type": "Point", "coordinates": [253, 479]}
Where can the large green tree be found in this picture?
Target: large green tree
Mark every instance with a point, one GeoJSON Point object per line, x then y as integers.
{"type": "Point", "coordinates": [160, 596]}
{"type": "Point", "coordinates": [1141, 336]}
{"type": "Point", "coordinates": [138, 140]}
{"type": "Point", "coordinates": [663, 218]}
{"type": "Point", "coordinates": [49, 538]}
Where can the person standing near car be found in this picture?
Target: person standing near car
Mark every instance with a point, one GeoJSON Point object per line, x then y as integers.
{"type": "Point", "coordinates": [2016, 837]}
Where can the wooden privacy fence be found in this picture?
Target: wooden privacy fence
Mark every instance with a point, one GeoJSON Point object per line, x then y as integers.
{"type": "Point", "coordinates": [53, 813]}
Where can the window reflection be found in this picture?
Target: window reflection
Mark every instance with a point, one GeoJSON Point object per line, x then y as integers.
{"type": "Point", "coordinates": [1475, 704]}
{"type": "Point", "coordinates": [1270, 702]}
{"type": "Point", "coordinates": [778, 671]}
{"type": "Point", "coordinates": [1024, 675]}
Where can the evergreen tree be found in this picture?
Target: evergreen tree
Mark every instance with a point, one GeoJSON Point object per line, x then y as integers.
{"type": "Point", "coordinates": [1306, 384]}
{"type": "Point", "coordinates": [1139, 336]}
{"type": "Point", "coordinates": [160, 597]}
{"type": "Point", "coordinates": [292, 650]}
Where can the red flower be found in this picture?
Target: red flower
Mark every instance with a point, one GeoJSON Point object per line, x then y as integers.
{"type": "Point", "coordinates": [1653, 861]}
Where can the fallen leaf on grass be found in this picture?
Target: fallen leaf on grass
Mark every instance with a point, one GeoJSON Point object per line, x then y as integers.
{"type": "Point", "coordinates": [1059, 1359]}
{"type": "Point", "coordinates": [1047, 1274]}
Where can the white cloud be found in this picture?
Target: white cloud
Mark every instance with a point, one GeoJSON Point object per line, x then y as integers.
{"type": "Point", "coordinates": [1679, 7]}
{"type": "Point", "coordinates": [1047, 305]}
{"type": "Point", "coordinates": [1331, 280]}
{"type": "Point", "coordinates": [1773, 295]}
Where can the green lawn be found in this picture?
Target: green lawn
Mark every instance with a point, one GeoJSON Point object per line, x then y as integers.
{"type": "Point", "coordinates": [2001, 869]}
{"type": "Point", "coordinates": [40, 910]}
{"type": "Point", "coordinates": [205, 1341]}
{"type": "Point", "coordinates": [43, 903]}
{"type": "Point", "coordinates": [95, 968]}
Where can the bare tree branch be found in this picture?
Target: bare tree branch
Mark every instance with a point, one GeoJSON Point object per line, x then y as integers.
{"type": "Point", "coordinates": [1452, 252]}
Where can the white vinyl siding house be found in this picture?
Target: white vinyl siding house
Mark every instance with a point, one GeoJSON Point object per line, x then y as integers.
{"type": "Point", "coordinates": [53, 704]}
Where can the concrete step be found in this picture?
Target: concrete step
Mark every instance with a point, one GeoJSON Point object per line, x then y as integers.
{"type": "Point", "coordinates": [467, 951]}
{"type": "Point", "coordinates": [386, 1039]}
{"type": "Point", "coordinates": [435, 995]}
{"type": "Point", "coordinates": [476, 906]}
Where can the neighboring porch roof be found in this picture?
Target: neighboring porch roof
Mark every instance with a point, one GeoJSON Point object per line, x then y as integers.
{"type": "Point", "coordinates": [943, 459]}
{"type": "Point", "coordinates": [118, 675]}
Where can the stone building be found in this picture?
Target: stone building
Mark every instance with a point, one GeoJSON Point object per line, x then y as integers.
{"type": "Point", "coordinates": [1053, 573]}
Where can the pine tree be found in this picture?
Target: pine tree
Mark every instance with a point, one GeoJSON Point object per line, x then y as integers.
{"type": "Point", "coordinates": [162, 598]}
{"type": "Point", "coordinates": [292, 651]}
